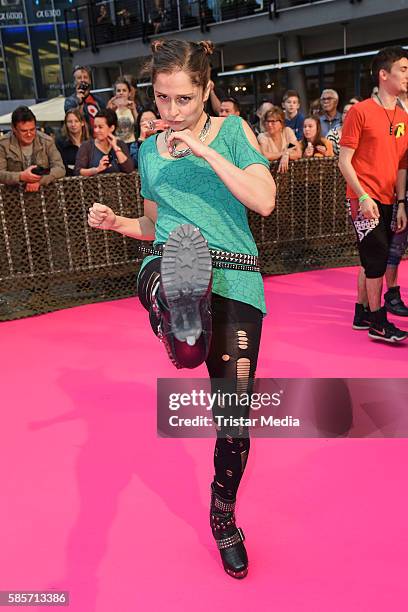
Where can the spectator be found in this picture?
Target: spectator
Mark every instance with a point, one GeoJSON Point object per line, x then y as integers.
{"type": "Point", "coordinates": [258, 125]}
{"type": "Point", "coordinates": [315, 108]}
{"type": "Point", "coordinates": [129, 78]}
{"type": "Point", "coordinates": [125, 111]}
{"type": "Point", "coordinates": [27, 155]}
{"type": "Point", "coordinates": [278, 142]}
{"type": "Point", "coordinates": [313, 144]}
{"type": "Point", "coordinates": [133, 87]}
{"type": "Point", "coordinates": [330, 117]}
{"type": "Point", "coordinates": [103, 17]}
{"type": "Point", "coordinates": [335, 134]}
{"type": "Point", "coordinates": [293, 117]}
{"type": "Point", "coordinates": [103, 153]}
{"type": "Point", "coordinates": [89, 104]}
{"type": "Point", "coordinates": [144, 129]}
{"type": "Point", "coordinates": [74, 132]}
{"type": "Point", "coordinates": [229, 106]}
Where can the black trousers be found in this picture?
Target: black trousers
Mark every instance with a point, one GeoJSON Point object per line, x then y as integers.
{"type": "Point", "coordinates": [233, 356]}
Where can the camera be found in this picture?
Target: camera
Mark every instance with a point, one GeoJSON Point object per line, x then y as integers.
{"type": "Point", "coordinates": [40, 170]}
{"type": "Point", "coordinates": [112, 157]}
{"type": "Point", "coordinates": [83, 86]}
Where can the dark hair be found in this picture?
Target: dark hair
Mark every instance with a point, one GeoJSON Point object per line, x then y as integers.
{"type": "Point", "coordinates": [122, 81]}
{"type": "Point", "coordinates": [22, 113]}
{"type": "Point", "coordinates": [86, 68]}
{"type": "Point", "coordinates": [109, 115]}
{"type": "Point", "coordinates": [85, 130]}
{"type": "Point", "coordinates": [318, 139]}
{"type": "Point", "coordinates": [234, 101]}
{"type": "Point", "coordinates": [384, 60]}
{"type": "Point", "coordinates": [290, 93]}
{"type": "Point", "coordinates": [275, 111]}
{"type": "Point", "coordinates": [356, 98]}
{"type": "Point", "coordinates": [170, 55]}
{"type": "Point", "coordinates": [143, 109]}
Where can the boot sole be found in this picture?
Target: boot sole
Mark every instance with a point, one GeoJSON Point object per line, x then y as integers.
{"type": "Point", "coordinates": [237, 575]}
{"type": "Point", "coordinates": [358, 328]}
{"type": "Point", "coordinates": [391, 340]}
{"type": "Point", "coordinates": [186, 270]}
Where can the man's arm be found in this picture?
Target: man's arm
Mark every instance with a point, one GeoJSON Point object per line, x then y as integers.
{"type": "Point", "coordinates": [368, 207]}
{"type": "Point", "coordinates": [7, 177]}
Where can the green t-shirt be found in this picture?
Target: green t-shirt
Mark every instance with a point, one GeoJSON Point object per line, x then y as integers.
{"type": "Point", "coordinates": [187, 190]}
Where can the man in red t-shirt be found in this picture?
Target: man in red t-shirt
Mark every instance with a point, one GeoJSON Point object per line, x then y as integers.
{"type": "Point", "coordinates": [373, 160]}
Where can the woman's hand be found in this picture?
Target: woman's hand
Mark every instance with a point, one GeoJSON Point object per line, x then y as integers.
{"type": "Point", "coordinates": [103, 164]}
{"type": "Point", "coordinates": [321, 149]}
{"type": "Point", "coordinates": [309, 151]}
{"type": "Point", "coordinates": [284, 162]}
{"type": "Point", "coordinates": [113, 141]}
{"type": "Point", "coordinates": [187, 137]}
{"type": "Point", "coordinates": [101, 217]}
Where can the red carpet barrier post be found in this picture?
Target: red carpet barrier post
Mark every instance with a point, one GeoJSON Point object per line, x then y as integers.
{"type": "Point", "coordinates": [50, 259]}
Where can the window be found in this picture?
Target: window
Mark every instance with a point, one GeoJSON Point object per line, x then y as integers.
{"type": "Point", "coordinates": [46, 60]}
{"type": "Point", "coordinates": [18, 62]}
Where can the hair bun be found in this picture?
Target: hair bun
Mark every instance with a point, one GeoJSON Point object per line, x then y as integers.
{"type": "Point", "coordinates": [157, 44]}
{"type": "Point", "coordinates": [207, 46]}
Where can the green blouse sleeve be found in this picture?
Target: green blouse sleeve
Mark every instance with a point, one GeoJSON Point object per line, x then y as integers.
{"type": "Point", "coordinates": [244, 153]}
{"type": "Point", "coordinates": [142, 164]}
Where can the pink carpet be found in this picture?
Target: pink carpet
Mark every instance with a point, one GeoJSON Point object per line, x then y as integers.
{"type": "Point", "coordinates": [93, 502]}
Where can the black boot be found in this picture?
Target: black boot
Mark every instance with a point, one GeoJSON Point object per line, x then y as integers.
{"type": "Point", "coordinates": [182, 304]}
{"type": "Point", "coordinates": [229, 537]}
{"type": "Point", "coordinates": [393, 302]}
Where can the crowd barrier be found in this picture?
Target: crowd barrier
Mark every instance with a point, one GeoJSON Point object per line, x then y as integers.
{"type": "Point", "coordinates": [50, 258]}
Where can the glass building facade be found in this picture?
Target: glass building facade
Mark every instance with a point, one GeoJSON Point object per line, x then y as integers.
{"type": "Point", "coordinates": [34, 60]}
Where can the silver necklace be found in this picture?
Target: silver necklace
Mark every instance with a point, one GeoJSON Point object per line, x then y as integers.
{"type": "Point", "coordinates": [184, 152]}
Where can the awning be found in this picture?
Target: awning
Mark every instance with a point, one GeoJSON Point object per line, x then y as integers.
{"type": "Point", "coordinates": [49, 111]}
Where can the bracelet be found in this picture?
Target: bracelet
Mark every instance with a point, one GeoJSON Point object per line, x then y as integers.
{"type": "Point", "coordinates": [402, 201]}
{"type": "Point", "coordinates": [363, 197]}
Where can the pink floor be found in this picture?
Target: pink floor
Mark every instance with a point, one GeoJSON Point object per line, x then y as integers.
{"type": "Point", "coordinates": [93, 502]}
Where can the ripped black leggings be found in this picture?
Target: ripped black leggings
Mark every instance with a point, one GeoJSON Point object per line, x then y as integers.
{"type": "Point", "coordinates": [233, 356]}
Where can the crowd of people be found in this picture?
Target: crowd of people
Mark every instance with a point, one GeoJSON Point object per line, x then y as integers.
{"type": "Point", "coordinates": [98, 137]}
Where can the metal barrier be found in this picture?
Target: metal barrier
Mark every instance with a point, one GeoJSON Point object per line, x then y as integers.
{"type": "Point", "coordinates": [51, 259]}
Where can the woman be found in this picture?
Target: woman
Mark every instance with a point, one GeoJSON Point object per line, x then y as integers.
{"type": "Point", "coordinates": [143, 128]}
{"type": "Point", "coordinates": [125, 110]}
{"type": "Point", "coordinates": [313, 144]}
{"type": "Point", "coordinates": [202, 172]}
{"type": "Point", "coordinates": [315, 107]}
{"type": "Point", "coordinates": [278, 142]}
{"type": "Point", "coordinates": [104, 153]}
{"type": "Point", "coordinates": [334, 135]}
{"type": "Point", "coordinates": [74, 133]}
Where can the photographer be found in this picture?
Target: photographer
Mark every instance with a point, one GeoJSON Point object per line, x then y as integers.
{"type": "Point", "coordinates": [89, 104]}
{"type": "Point", "coordinates": [27, 155]}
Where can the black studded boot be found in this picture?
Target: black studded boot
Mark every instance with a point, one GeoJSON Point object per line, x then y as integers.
{"type": "Point", "coordinates": [229, 537]}
{"type": "Point", "coordinates": [182, 304]}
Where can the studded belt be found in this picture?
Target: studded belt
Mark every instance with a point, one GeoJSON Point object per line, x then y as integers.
{"type": "Point", "coordinates": [220, 259]}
